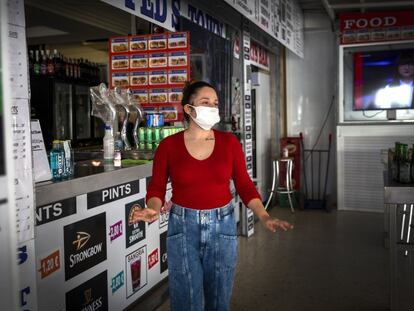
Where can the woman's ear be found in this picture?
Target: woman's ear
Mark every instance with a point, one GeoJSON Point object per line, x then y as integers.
{"type": "Point", "coordinates": [188, 108]}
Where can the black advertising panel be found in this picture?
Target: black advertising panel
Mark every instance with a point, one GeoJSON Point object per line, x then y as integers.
{"type": "Point", "coordinates": [104, 196]}
{"type": "Point", "coordinates": [85, 244]}
{"type": "Point", "coordinates": [135, 230]}
{"type": "Point", "coordinates": [55, 210]}
{"type": "Point", "coordinates": [163, 252]}
{"type": "Point", "coordinates": [91, 295]}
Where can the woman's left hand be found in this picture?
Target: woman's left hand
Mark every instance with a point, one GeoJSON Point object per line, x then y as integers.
{"type": "Point", "coordinates": [273, 223]}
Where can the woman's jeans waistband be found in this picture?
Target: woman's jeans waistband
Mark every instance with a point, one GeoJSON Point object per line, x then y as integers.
{"type": "Point", "coordinates": [217, 213]}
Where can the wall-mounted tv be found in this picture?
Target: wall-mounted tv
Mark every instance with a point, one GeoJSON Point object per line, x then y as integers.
{"type": "Point", "coordinates": [384, 80]}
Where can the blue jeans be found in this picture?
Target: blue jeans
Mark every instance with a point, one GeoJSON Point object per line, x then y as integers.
{"type": "Point", "coordinates": [202, 255]}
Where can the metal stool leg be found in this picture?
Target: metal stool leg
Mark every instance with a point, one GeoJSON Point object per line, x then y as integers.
{"type": "Point", "coordinates": [289, 183]}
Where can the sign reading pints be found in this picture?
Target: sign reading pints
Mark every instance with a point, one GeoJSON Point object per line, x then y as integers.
{"type": "Point", "coordinates": [85, 244]}
{"type": "Point", "coordinates": [111, 194]}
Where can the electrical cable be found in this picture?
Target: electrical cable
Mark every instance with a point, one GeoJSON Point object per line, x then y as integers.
{"type": "Point", "coordinates": [374, 115]}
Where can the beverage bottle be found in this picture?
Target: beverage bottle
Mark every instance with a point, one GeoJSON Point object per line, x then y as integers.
{"type": "Point", "coordinates": [31, 61]}
{"type": "Point", "coordinates": [50, 68]}
{"type": "Point", "coordinates": [67, 71]}
{"type": "Point", "coordinates": [43, 64]}
{"type": "Point", "coordinates": [395, 169]}
{"type": "Point", "coordinates": [118, 144]}
{"type": "Point", "coordinates": [56, 63]}
{"type": "Point", "coordinates": [404, 165]}
{"type": "Point", "coordinates": [36, 65]}
{"type": "Point", "coordinates": [108, 143]}
{"type": "Point", "coordinates": [69, 159]}
{"type": "Point", "coordinates": [57, 160]}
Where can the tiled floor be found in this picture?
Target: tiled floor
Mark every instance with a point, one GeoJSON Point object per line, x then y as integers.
{"type": "Point", "coordinates": [330, 261]}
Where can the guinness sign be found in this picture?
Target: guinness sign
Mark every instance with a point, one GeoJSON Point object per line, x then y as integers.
{"type": "Point", "coordinates": [89, 296]}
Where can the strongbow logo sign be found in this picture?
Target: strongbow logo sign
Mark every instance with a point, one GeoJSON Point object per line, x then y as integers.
{"type": "Point", "coordinates": [89, 296]}
{"type": "Point", "coordinates": [163, 252]}
{"type": "Point", "coordinates": [85, 244]}
{"type": "Point", "coordinates": [81, 239]}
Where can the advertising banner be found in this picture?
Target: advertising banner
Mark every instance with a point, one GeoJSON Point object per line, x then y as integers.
{"type": "Point", "coordinates": [281, 19]}
{"type": "Point", "coordinates": [98, 250]}
{"type": "Point", "coordinates": [376, 27]}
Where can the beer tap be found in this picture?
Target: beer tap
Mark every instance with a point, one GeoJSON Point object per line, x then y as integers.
{"type": "Point", "coordinates": [123, 112]}
{"type": "Point", "coordinates": [102, 107]}
{"type": "Point", "coordinates": [137, 116]}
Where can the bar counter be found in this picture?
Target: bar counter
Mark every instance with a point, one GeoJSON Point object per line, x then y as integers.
{"type": "Point", "coordinates": [399, 218]}
{"type": "Point", "coordinates": [89, 251]}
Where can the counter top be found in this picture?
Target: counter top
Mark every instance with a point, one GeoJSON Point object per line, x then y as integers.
{"type": "Point", "coordinates": [397, 193]}
{"type": "Point", "coordinates": [87, 179]}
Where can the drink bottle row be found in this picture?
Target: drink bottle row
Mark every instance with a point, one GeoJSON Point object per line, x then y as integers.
{"type": "Point", "coordinates": [43, 62]}
{"type": "Point", "coordinates": [402, 166]}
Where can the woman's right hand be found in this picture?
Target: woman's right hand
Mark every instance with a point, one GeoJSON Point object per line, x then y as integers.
{"type": "Point", "coordinates": [145, 214]}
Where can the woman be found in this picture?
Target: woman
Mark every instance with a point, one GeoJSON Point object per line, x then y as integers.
{"type": "Point", "coordinates": [399, 93]}
{"type": "Point", "coordinates": [201, 239]}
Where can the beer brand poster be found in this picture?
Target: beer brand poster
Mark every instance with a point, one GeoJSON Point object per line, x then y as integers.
{"type": "Point", "coordinates": [136, 270]}
{"type": "Point", "coordinates": [91, 295]}
{"type": "Point", "coordinates": [85, 244]}
{"type": "Point", "coordinates": [135, 230]}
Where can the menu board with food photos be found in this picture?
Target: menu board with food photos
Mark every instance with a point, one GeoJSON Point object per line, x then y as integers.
{"type": "Point", "coordinates": [155, 67]}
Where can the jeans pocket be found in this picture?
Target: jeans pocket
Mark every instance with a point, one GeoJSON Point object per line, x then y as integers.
{"type": "Point", "coordinates": [227, 252]}
{"type": "Point", "coordinates": [175, 252]}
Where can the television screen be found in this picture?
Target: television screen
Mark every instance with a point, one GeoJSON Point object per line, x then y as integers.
{"type": "Point", "coordinates": [384, 80]}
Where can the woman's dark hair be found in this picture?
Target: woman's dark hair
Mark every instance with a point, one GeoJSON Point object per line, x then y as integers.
{"type": "Point", "coordinates": [190, 91]}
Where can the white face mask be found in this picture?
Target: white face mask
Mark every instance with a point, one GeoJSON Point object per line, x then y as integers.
{"type": "Point", "coordinates": [206, 117]}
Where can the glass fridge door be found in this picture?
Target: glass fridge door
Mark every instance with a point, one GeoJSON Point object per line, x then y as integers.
{"type": "Point", "coordinates": [82, 112]}
{"type": "Point", "coordinates": [62, 121]}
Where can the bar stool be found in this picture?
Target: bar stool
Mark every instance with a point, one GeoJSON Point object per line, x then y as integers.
{"type": "Point", "coordinates": [276, 187]}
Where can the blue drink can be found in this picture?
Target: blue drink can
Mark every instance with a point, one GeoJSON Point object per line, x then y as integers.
{"type": "Point", "coordinates": [150, 120]}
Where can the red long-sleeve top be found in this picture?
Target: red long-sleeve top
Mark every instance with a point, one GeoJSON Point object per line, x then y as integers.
{"type": "Point", "coordinates": [201, 184]}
